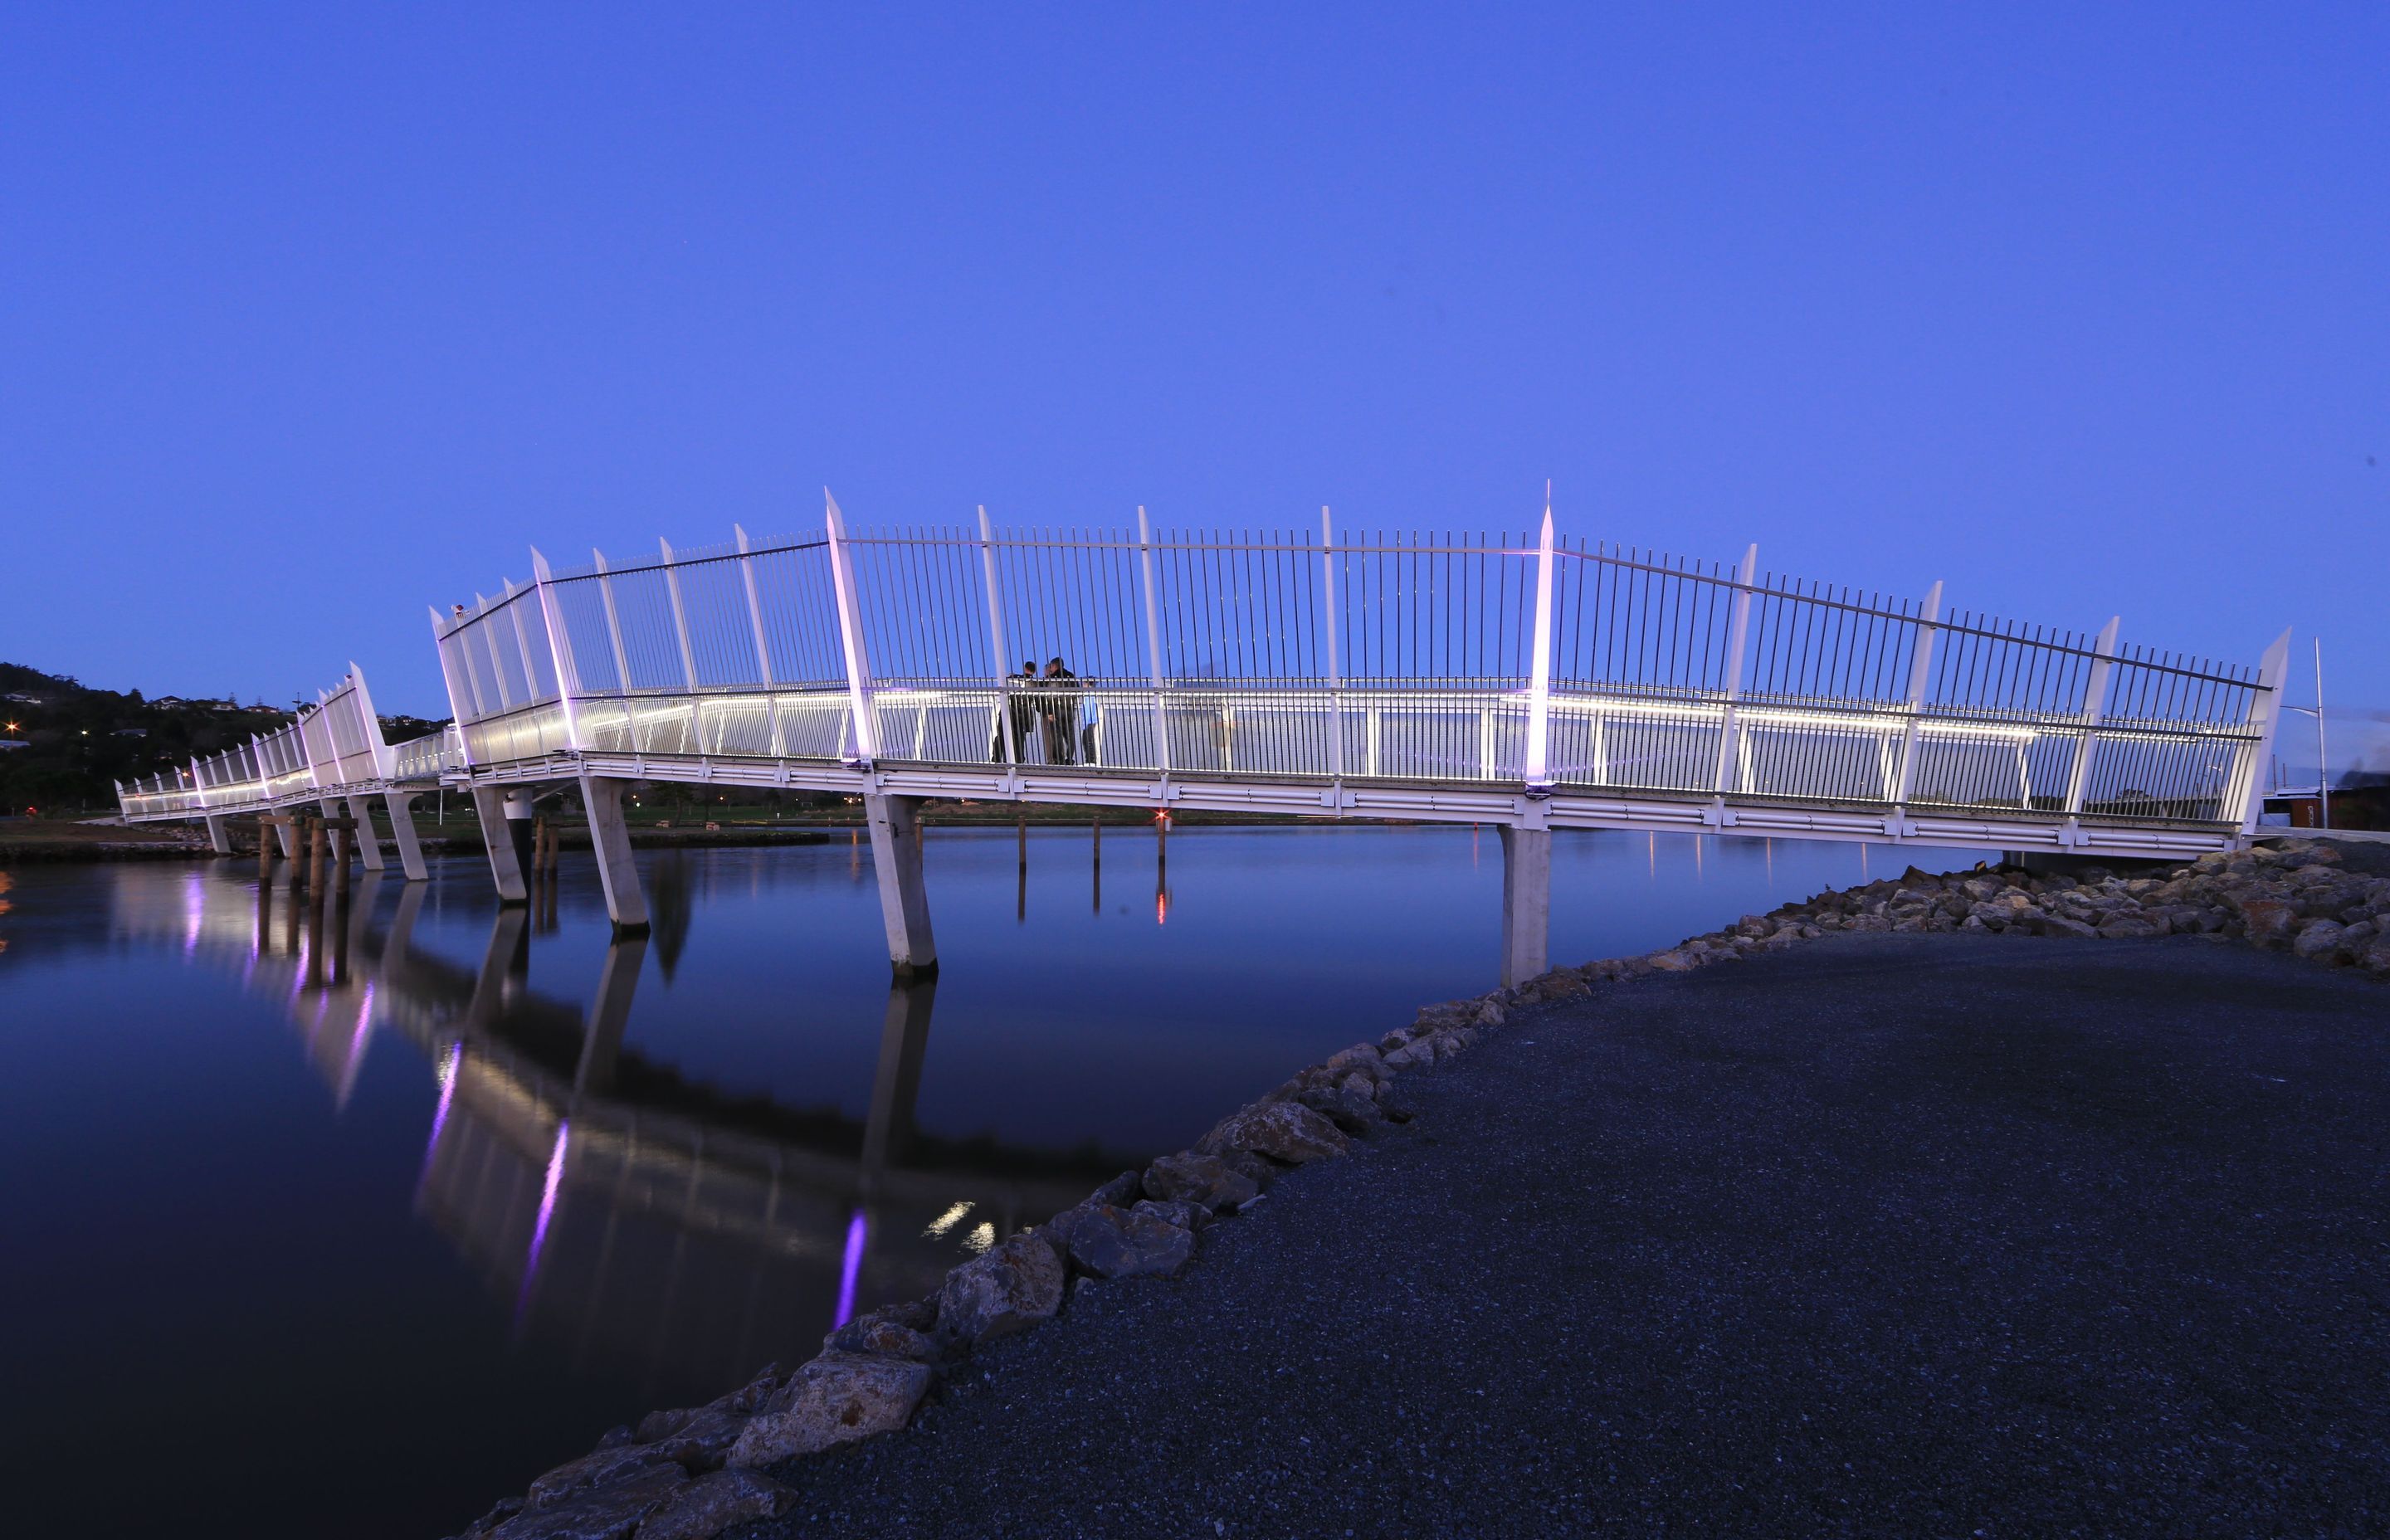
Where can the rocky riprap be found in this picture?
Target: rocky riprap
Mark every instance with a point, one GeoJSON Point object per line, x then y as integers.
{"type": "Point", "coordinates": [693, 1473]}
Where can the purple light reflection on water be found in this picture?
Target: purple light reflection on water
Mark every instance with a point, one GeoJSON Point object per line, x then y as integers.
{"type": "Point", "coordinates": [858, 1234]}
{"type": "Point", "coordinates": [449, 1064]}
{"type": "Point", "coordinates": [195, 899]}
{"type": "Point", "coordinates": [546, 1210]}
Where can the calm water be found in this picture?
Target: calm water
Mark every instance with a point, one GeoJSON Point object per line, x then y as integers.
{"type": "Point", "coordinates": [353, 1226]}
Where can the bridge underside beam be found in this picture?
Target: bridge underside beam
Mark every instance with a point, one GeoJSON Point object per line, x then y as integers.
{"type": "Point", "coordinates": [904, 901]}
{"type": "Point", "coordinates": [220, 833]}
{"type": "Point", "coordinates": [609, 837]}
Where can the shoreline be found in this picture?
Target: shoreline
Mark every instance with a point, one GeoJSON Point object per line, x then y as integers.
{"type": "Point", "coordinates": [690, 1473]}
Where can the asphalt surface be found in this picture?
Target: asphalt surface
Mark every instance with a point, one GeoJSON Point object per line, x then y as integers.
{"type": "Point", "coordinates": [1887, 1235]}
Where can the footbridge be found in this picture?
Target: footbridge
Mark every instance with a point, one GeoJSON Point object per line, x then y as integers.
{"type": "Point", "coordinates": [1524, 681]}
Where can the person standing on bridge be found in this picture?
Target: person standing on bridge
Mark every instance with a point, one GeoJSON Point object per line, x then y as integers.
{"type": "Point", "coordinates": [1060, 709]}
{"type": "Point", "coordinates": [1024, 712]}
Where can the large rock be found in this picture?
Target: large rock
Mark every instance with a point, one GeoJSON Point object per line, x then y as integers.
{"type": "Point", "coordinates": [2267, 921]}
{"type": "Point", "coordinates": [1351, 1111]}
{"type": "Point", "coordinates": [710, 1504]}
{"type": "Point", "coordinates": [1176, 1211]}
{"type": "Point", "coordinates": [879, 1333]}
{"type": "Point", "coordinates": [1362, 1057]}
{"type": "Point", "coordinates": [1281, 1130]}
{"type": "Point", "coordinates": [606, 1464]}
{"type": "Point", "coordinates": [2320, 938]}
{"type": "Point", "coordinates": [2132, 927]}
{"type": "Point", "coordinates": [1205, 1179]}
{"type": "Point", "coordinates": [1123, 1243]}
{"type": "Point", "coordinates": [1014, 1286]}
{"type": "Point", "coordinates": [609, 1512]}
{"type": "Point", "coordinates": [835, 1399]}
{"type": "Point", "coordinates": [2059, 925]}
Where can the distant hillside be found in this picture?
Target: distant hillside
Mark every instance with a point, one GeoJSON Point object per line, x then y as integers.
{"type": "Point", "coordinates": [78, 742]}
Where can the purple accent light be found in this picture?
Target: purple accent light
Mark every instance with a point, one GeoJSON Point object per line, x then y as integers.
{"type": "Point", "coordinates": [858, 1234]}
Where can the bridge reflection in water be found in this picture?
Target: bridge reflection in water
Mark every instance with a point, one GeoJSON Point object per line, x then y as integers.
{"type": "Point", "coordinates": [630, 1215]}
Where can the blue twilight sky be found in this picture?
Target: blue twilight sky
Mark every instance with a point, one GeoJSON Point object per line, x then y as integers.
{"type": "Point", "coordinates": [313, 315]}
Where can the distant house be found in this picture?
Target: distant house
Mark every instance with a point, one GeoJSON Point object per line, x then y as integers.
{"type": "Point", "coordinates": [168, 702]}
{"type": "Point", "coordinates": [132, 732]}
{"type": "Point", "coordinates": [8, 743]}
{"type": "Point", "coordinates": [261, 706]}
{"type": "Point", "coordinates": [21, 698]}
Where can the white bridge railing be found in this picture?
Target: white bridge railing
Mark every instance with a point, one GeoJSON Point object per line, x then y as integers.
{"type": "Point", "coordinates": [1470, 661]}
{"type": "Point", "coordinates": [1517, 664]}
{"type": "Point", "coordinates": [334, 747]}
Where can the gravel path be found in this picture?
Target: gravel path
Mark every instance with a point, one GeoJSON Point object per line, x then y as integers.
{"type": "Point", "coordinates": [1885, 1235]}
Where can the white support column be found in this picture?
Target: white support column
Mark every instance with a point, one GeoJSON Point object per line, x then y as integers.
{"type": "Point", "coordinates": [497, 837]}
{"type": "Point", "coordinates": [560, 647]}
{"type": "Point", "coordinates": [680, 615]}
{"type": "Point", "coordinates": [287, 834]}
{"type": "Point", "coordinates": [849, 634]}
{"type": "Point", "coordinates": [1738, 635]}
{"type": "Point", "coordinates": [458, 716]}
{"type": "Point", "coordinates": [1328, 628]}
{"type": "Point", "coordinates": [1004, 725]}
{"type": "Point", "coordinates": [762, 650]}
{"type": "Point", "coordinates": [2265, 715]}
{"type": "Point", "coordinates": [904, 901]}
{"type": "Point", "coordinates": [2095, 695]}
{"type": "Point", "coordinates": [609, 837]}
{"type": "Point", "coordinates": [385, 757]}
{"type": "Point", "coordinates": [401, 805]}
{"type": "Point", "coordinates": [1920, 672]}
{"type": "Point", "coordinates": [1538, 766]}
{"type": "Point", "coordinates": [1526, 903]}
{"type": "Point", "coordinates": [1153, 639]}
{"type": "Point", "coordinates": [220, 833]}
{"type": "Point", "coordinates": [368, 843]}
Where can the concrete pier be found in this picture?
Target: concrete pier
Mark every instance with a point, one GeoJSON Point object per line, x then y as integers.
{"type": "Point", "coordinates": [1526, 903]}
{"type": "Point", "coordinates": [220, 833]}
{"type": "Point", "coordinates": [286, 831]}
{"type": "Point", "coordinates": [497, 835]}
{"type": "Point", "coordinates": [402, 834]}
{"type": "Point", "coordinates": [903, 902]}
{"type": "Point", "coordinates": [609, 837]}
{"type": "Point", "coordinates": [368, 843]}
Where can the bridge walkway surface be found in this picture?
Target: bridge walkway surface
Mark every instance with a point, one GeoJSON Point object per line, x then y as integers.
{"type": "Point", "coordinates": [1887, 1235]}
